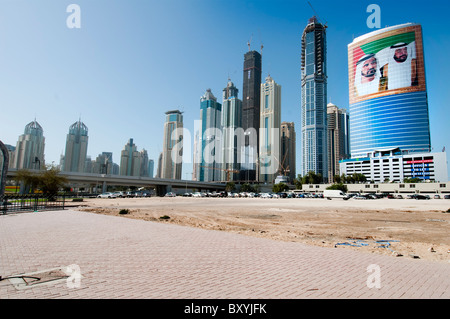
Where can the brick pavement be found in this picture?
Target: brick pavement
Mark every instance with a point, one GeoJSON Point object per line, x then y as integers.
{"type": "Point", "coordinates": [125, 258]}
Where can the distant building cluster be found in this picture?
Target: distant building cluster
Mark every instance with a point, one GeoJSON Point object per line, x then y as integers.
{"type": "Point", "coordinates": [384, 135]}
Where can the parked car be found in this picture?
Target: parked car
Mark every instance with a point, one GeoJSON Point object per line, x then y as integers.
{"type": "Point", "coordinates": [171, 194]}
{"type": "Point", "coordinates": [119, 194]}
{"type": "Point", "coordinates": [437, 196]}
{"type": "Point", "coordinates": [107, 195]}
{"type": "Point", "coordinates": [446, 196]}
{"type": "Point", "coordinates": [418, 196]}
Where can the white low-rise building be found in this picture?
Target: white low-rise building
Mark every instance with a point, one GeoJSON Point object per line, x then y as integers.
{"type": "Point", "coordinates": [392, 165]}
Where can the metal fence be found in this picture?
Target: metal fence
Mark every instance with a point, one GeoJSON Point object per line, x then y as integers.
{"type": "Point", "coordinates": [31, 202]}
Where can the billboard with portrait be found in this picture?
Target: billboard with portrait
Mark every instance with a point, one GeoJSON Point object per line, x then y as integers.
{"type": "Point", "coordinates": [387, 62]}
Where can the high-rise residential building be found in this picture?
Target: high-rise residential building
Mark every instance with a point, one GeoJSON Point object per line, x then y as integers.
{"type": "Point", "coordinates": [159, 168]}
{"type": "Point", "coordinates": [270, 122]}
{"type": "Point", "coordinates": [104, 164]}
{"type": "Point", "coordinates": [251, 95]}
{"type": "Point", "coordinates": [209, 144]}
{"type": "Point", "coordinates": [151, 168]}
{"type": "Point", "coordinates": [29, 153]}
{"type": "Point", "coordinates": [130, 160]}
{"type": "Point", "coordinates": [338, 138]}
{"type": "Point", "coordinates": [231, 121]}
{"type": "Point", "coordinates": [314, 97]}
{"type": "Point", "coordinates": [172, 145]}
{"type": "Point", "coordinates": [76, 148]}
{"type": "Point", "coordinates": [288, 150]}
{"type": "Point", "coordinates": [387, 91]}
{"type": "Point", "coordinates": [144, 163]}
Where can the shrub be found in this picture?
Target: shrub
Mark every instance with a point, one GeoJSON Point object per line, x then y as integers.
{"type": "Point", "coordinates": [164, 217]}
{"type": "Point", "coordinates": [124, 212]}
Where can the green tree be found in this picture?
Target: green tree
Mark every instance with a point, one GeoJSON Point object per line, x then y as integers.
{"type": "Point", "coordinates": [50, 181]}
{"type": "Point", "coordinates": [29, 181]}
{"type": "Point", "coordinates": [338, 186]}
{"type": "Point", "coordinates": [230, 186]}
{"type": "Point", "coordinates": [280, 187]}
{"type": "Point", "coordinates": [312, 178]}
{"type": "Point", "coordinates": [298, 182]}
{"type": "Point", "coordinates": [246, 187]}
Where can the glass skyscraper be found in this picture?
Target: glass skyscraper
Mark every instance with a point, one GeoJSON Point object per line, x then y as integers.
{"type": "Point", "coordinates": [76, 148]}
{"type": "Point", "coordinates": [172, 146]}
{"type": "Point", "coordinates": [387, 90]}
{"type": "Point", "coordinates": [251, 113]}
{"type": "Point", "coordinates": [314, 96]}
{"type": "Point", "coordinates": [29, 152]}
{"type": "Point", "coordinates": [231, 120]}
{"type": "Point", "coordinates": [209, 147]}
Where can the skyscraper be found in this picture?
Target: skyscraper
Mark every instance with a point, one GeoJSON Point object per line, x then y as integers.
{"type": "Point", "coordinates": [251, 93]}
{"type": "Point", "coordinates": [172, 145]}
{"type": "Point", "coordinates": [209, 144]}
{"type": "Point", "coordinates": [29, 152]}
{"type": "Point", "coordinates": [130, 160]}
{"type": "Point", "coordinates": [338, 138]}
{"type": "Point", "coordinates": [144, 163]}
{"type": "Point", "coordinates": [314, 96]}
{"type": "Point", "coordinates": [104, 164]}
{"type": "Point", "coordinates": [270, 121]}
{"type": "Point", "coordinates": [387, 91]}
{"type": "Point", "coordinates": [288, 150]}
{"type": "Point", "coordinates": [231, 120]}
{"type": "Point", "coordinates": [151, 168]}
{"type": "Point", "coordinates": [76, 148]}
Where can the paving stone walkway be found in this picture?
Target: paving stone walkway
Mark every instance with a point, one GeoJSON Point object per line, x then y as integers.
{"type": "Point", "coordinates": [118, 257]}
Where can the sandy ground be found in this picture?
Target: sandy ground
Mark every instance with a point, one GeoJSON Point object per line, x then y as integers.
{"type": "Point", "coordinates": [402, 228]}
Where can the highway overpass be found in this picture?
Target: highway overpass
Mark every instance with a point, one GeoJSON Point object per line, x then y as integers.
{"type": "Point", "coordinates": [160, 185]}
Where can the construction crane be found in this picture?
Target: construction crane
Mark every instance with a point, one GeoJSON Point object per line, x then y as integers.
{"type": "Point", "coordinates": [315, 13]}
{"type": "Point", "coordinates": [223, 169]}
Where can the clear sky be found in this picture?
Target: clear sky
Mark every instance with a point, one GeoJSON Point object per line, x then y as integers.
{"type": "Point", "coordinates": [133, 60]}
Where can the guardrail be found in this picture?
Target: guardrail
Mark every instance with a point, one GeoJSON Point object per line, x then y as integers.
{"type": "Point", "coordinates": [31, 202]}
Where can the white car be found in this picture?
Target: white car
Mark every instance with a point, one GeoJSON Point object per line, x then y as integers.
{"type": "Point", "coordinates": [171, 194]}
{"type": "Point", "coordinates": [107, 195]}
{"type": "Point", "coordinates": [197, 194]}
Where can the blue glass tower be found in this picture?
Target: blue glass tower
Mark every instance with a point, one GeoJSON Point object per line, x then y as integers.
{"type": "Point", "coordinates": [389, 104]}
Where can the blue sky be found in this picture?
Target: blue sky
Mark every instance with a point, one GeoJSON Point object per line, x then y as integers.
{"type": "Point", "coordinates": [131, 61]}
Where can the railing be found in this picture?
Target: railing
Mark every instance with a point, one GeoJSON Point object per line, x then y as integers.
{"type": "Point", "coordinates": [31, 202]}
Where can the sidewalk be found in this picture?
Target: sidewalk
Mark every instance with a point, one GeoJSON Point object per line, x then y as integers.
{"type": "Point", "coordinates": [120, 257]}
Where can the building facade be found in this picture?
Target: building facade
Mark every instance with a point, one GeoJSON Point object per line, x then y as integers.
{"type": "Point", "coordinates": [391, 165]}
{"type": "Point", "coordinates": [387, 90]}
{"type": "Point", "coordinates": [29, 153]}
{"type": "Point", "coordinates": [172, 154]}
{"type": "Point", "coordinates": [231, 121]}
{"type": "Point", "coordinates": [288, 150]}
{"type": "Point", "coordinates": [270, 123]}
{"type": "Point", "coordinates": [251, 95]}
{"type": "Point", "coordinates": [209, 144]}
{"type": "Point", "coordinates": [314, 97]}
{"type": "Point", "coordinates": [130, 160]}
{"type": "Point", "coordinates": [76, 148]}
{"type": "Point", "coordinates": [338, 138]}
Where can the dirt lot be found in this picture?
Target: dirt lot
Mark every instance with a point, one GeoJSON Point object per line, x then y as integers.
{"type": "Point", "coordinates": [404, 228]}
